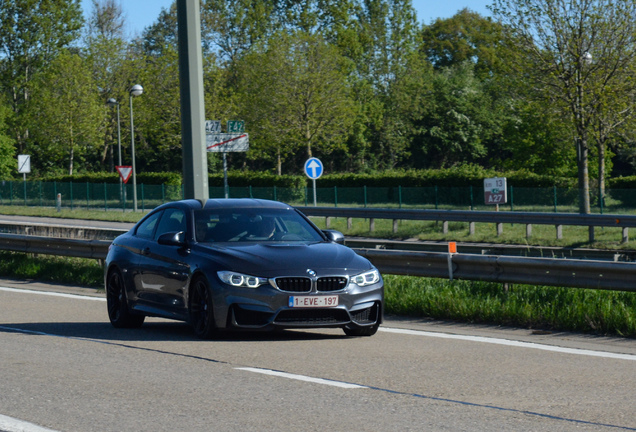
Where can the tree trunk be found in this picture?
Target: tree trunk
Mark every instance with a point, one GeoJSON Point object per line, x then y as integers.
{"type": "Point", "coordinates": [601, 171]}
{"type": "Point", "coordinates": [584, 177]}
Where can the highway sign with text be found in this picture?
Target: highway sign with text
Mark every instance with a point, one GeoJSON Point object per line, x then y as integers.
{"type": "Point", "coordinates": [495, 191]}
{"type": "Point", "coordinates": [227, 142]}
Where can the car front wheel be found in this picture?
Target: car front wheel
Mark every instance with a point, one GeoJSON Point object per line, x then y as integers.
{"type": "Point", "coordinates": [201, 314]}
{"type": "Point", "coordinates": [117, 304]}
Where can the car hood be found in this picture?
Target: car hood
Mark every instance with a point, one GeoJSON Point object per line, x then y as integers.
{"type": "Point", "coordinates": [268, 260]}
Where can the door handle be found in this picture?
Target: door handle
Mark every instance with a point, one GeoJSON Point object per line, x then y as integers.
{"type": "Point", "coordinates": [146, 251]}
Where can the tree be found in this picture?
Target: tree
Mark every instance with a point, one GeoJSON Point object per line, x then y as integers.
{"type": "Point", "coordinates": [70, 115]}
{"type": "Point", "coordinates": [106, 52]}
{"type": "Point", "coordinates": [466, 36]}
{"type": "Point", "coordinates": [577, 56]}
{"type": "Point", "coordinates": [295, 96]}
{"type": "Point", "coordinates": [459, 119]}
{"type": "Point", "coordinates": [32, 33]}
{"type": "Point", "coordinates": [7, 151]}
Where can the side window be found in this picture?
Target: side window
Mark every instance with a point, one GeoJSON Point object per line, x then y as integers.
{"type": "Point", "coordinates": [173, 220]}
{"type": "Point", "coordinates": [147, 227]}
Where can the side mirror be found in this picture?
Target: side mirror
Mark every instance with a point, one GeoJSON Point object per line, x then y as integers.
{"type": "Point", "coordinates": [334, 236]}
{"type": "Point", "coordinates": [172, 239]}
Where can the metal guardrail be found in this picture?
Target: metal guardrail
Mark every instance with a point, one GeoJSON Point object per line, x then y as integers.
{"type": "Point", "coordinates": [528, 218]}
{"type": "Point", "coordinates": [504, 269]}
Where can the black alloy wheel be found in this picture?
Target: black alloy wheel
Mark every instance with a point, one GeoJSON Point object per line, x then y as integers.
{"type": "Point", "coordinates": [118, 313]}
{"type": "Point", "coordinates": [201, 313]}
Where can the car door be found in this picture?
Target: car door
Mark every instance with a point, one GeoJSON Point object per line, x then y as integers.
{"type": "Point", "coordinates": [164, 269]}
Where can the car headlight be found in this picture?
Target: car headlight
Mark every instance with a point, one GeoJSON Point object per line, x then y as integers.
{"type": "Point", "coordinates": [367, 278]}
{"type": "Point", "coordinates": [241, 280]}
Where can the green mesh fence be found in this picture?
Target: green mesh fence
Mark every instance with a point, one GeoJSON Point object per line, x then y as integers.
{"type": "Point", "coordinates": [113, 196]}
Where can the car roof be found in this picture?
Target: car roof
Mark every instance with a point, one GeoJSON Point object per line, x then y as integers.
{"type": "Point", "coordinates": [231, 203]}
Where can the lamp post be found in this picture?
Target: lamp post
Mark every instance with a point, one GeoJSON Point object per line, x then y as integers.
{"type": "Point", "coordinates": [135, 90]}
{"type": "Point", "coordinates": [113, 102]}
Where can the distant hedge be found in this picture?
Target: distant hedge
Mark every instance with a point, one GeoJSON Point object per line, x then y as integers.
{"type": "Point", "coordinates": [465, 175]}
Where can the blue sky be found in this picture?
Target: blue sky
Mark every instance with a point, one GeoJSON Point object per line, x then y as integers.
{"type": "Point", "coordinates": [142, 13]}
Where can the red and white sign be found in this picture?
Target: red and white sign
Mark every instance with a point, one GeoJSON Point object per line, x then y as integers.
{"type": "Point", "coordinates": [124, 172]}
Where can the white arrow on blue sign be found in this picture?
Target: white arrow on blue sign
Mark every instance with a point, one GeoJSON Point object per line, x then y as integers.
{"type": "Point", "coordinates": [313, 168]}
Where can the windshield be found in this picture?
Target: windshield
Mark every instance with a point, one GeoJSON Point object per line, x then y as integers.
{"type": "Point", "coordinates": [262, 225]}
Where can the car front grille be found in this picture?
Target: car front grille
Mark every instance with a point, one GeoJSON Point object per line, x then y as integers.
{"type": "Point", "coordinates": [335, 283]}
{"type": "Point", "coordinates": [304, 284]}
{"type": "Point", "coordinates": [307, 317]}
{"type": "Point", "coordinates": [294, 284]}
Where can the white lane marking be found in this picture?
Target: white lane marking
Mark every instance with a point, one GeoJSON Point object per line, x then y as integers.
{"type": "Point", "coordinates": [53, 294]}
{"type": "Point", "coordinates": [496, 341]}
{"type": "Point", "coordinates": [302, 378]}
{"type": "Point", "coordinates": [10, 424]}
{"type": "Point", "coordinates": [512, 343]}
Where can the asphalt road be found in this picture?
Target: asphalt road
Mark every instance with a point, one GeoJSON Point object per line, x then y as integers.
{"type": "Point", "coordinates": [63, 367]}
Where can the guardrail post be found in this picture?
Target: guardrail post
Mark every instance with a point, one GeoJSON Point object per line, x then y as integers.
{"type": "Point", "coordinates": [395, 226]}
{"type": "Point", "coordinates": [371, 224]}
{"type": "Point", "coordinates": [559, 230]}
{"type": "Point", "coordinates": [499, 229]}
{"type": "Point", "coordinates": [471, 228]}
{"type": "Point", "coordinates": [590, 230]}
{"type": "Point", "coordinates": [328, 221]}
{"type": "Point", "coordinates": [625, 235]}
{"type": "Point", "coordinates": [349, 223]}
{"type": "Point", "coordinates": [528, 231]}
{"type": "Point", "coordinates": [445, 227]}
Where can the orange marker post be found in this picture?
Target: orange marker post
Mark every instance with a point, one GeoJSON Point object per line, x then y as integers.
{"type": "Point", "coordinates": [452, 249]}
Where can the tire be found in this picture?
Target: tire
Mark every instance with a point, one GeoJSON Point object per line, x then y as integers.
{"type": "Point", "coordinates": [117, 303]}
{"type": "Point", "coordinates": [201, 311]}
{"type": "Point", "coordinates": [361, 331]}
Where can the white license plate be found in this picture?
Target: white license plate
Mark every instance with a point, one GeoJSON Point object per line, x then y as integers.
{"type": "Point", "coordinates": [313, 301]}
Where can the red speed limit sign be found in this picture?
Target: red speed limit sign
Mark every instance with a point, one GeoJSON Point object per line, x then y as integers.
{"type": "Point", "coordinates": [495, 191]}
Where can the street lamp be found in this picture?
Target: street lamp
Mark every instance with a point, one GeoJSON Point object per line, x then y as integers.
{"type": "Point", "coordinates": [113, 102]}
{"type": "Point", "coordinates": [135, 90]}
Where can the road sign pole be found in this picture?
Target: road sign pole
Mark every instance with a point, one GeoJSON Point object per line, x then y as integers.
{"type": "Point", "coordinates": [315, 201]}
{"type": "Point", "coordinates": [226, 188]}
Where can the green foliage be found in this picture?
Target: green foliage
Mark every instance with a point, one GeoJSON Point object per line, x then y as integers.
{"type": "Point", "coordinates": [457, 176]}
{"type": "Point", "coordinates": [258, 179]}
{"type": "Point", "coordinates": [466, 36]}
{"type": "Point", "coordinates": [565, 309]}
{"type": "Point", "coordinates": [76, 271]}
{"type": "Point", "coordinates": [8, 165]}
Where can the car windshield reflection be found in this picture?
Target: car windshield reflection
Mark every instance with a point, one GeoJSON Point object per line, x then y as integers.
{"type": "Point", "coordinates": [244, 225]}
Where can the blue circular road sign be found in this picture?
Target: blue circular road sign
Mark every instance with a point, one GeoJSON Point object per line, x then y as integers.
{"type": "Point", "coordinates": [313, 168]}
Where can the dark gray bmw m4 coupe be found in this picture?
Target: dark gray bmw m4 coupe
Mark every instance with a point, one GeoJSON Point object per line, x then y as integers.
{"type": "Point", "coordinates": [240, 264]}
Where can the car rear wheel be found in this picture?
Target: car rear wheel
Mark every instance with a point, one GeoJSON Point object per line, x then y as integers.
{"type": "Point", "coordinates": [201, 313]}
{"type": "Point", "coordinates": [117, 304]}
{"type": "Point", "coordinates": [361, 331]}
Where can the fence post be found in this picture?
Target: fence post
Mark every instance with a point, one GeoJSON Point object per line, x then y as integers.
{"type": "Point", "coordinates": [436, 197]}
{"type": "Point", "coordinates": [335, 195]}
{"type": "Point", "coordinates": [275, 195]}
{"type": "Point", "coordinates": [105, 200]}
{"type": "Point", "coordinates": [250, 189]}
{"type": "Point", "coordinates": [400, 196]}
{"type": "Point", "coordinates": [71, 195]}
{"type": "Point", "coordinates": [512, 203]}
{"type": "Point", "coordinates": [41, 203]}
{"type": "Point", "coordinates": [55, 190]}
{"type": "Point", "coordinates": [143, 206]}
{"type": "Point", "coordinates": [555, 198]}
{"type": "Point", "coordinates": [87, 194]}
{"type": "Point", "coordinates": [163, 193]}
{"type": "Point", "coordinates": [25, 192]}
{"type": "Point", "coordinates": [365, 196]}
{"type": "Point", "coordinates": [472, 207]}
